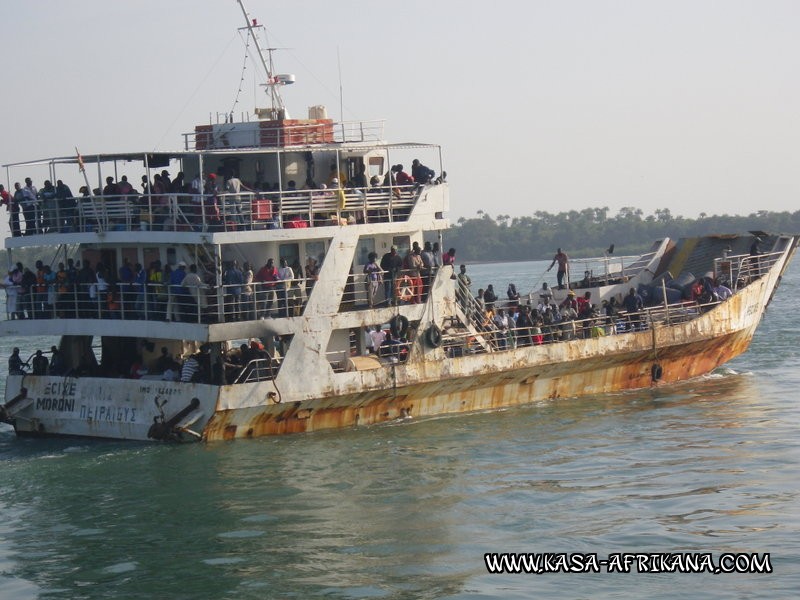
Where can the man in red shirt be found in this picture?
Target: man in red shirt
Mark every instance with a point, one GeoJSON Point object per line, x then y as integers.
{"type": "Point", "coordinates": [265, 287]}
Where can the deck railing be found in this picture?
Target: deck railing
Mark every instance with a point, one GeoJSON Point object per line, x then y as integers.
{"type": "Point", "coordinates": [247, 211]}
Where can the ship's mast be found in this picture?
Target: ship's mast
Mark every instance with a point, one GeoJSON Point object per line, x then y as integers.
{"type": "Point", "coordinates": [273, 81]}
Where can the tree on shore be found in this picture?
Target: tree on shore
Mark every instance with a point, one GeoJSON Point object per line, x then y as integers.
{"type": "Point", "coordinates": [590, 231]}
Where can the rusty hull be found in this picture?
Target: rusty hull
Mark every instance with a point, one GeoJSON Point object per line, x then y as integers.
{"type": "Point", "coordinates": [431, 384]}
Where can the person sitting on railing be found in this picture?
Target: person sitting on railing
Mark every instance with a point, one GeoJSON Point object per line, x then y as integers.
{"type": "Point", "coordinates": [421, 173]}
{"type": "Point", "coordinates": [403, 178]}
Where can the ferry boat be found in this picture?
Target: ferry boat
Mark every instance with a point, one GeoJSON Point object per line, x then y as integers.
{"type": "Point", "coordinates": [245, 297]}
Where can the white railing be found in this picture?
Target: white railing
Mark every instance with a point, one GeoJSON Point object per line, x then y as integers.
{"type": "Point", "coordinates": [226, 212]}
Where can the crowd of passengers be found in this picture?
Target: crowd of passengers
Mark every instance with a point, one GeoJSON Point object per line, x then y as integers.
{"type": "Point", "coordinates": [235, 364]}
{"type": "Point", "coordinates": [161, 292]}
{"type": "Point", "coordinates": [215, 204]}
{"type": "Point", "coordinates": [540, 321]}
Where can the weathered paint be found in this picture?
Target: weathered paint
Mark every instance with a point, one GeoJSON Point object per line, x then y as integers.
{"type": "Point", "coordinates": [434, 385]}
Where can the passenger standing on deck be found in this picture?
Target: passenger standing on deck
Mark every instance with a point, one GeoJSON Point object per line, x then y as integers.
{"type": "Point", "coordinates": [39, 363]}
{"type": "Point", "coordinates": [12, 207]}
{"type": "Point", "coordinates": [633, 304]}
{"type": "Point", "coordinates": [414, 266]}
{"type": "Point", "coordinates": [194, 297]}
{"type": "Point", "coordinates": [30, 207]}
{"type": "Point", "coordinates": [15, 363]}
{"type": "Point", "coordinates": [563, 267]}
{"type": "Point", "coordinates": [391, 264]}
{"type": "Point", "coordinates": [66, 206]}
{"type": "Point", "coordinates": [285, 277]}
{"type": "Point", "coordinates": [247, 309]}
{"type": "Point", "coordinates": [373, 278]}
{"type": "Point", "coordinates": [266, 277]}
{"type": "Point", "coordinates": [177, 294]}
{"type": "Point", "coordinates": [233, 279]}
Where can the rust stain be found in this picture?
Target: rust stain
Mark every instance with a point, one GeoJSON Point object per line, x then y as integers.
{"type": "Point", "coordinates": [491, 390]}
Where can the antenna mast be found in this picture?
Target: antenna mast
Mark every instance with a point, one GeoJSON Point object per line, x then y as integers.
{"type": "Point", "coordinates": [273, 81]}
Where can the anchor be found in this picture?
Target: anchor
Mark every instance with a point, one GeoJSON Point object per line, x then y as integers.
{"type": "Point", "coordinates": [164, 429]}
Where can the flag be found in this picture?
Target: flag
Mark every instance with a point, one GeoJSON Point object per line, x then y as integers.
{"type": "Point", "coordinates": [81, 167]}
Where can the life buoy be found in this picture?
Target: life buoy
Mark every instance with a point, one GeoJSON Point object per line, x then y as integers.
{"type": "Point", "coordinates": [398, 326]}
{"type": "Point", "coordinates": [404, 288]}
{"type": "Point", "coordinates": [433, 336]}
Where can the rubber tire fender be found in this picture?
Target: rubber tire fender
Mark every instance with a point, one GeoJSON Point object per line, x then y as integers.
{"type": "Point", "coordinates": [398, 325]}
{"type": "Point", "coordinates": [433, 336]}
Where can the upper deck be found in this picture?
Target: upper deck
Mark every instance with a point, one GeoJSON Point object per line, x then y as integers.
{"type": "Point", "coordinates": [251, 176]}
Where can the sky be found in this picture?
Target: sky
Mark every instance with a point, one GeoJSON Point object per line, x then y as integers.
{"type": "Point", "coordinates": [538, 105]}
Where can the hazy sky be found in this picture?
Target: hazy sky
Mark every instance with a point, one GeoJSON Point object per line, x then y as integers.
{"type": "Point", "coordinates": [557, 105]}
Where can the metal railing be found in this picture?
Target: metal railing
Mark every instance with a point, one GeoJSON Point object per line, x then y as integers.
{"type": "Point", "coordinates": [204, 303]}
{"type": "Point", "coordinates": [247, 211]}
{"type": "Point", "coordinates": [738, 270]}
{"type": "Point", "coordinates": [607, 270]}
{"type": "Point", "coordinates": [272, 134]}
{"type": "Point", "coordinates": [496, 338]}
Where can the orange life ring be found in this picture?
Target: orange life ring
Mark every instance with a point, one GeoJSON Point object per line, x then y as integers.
{"type": "Point", "coordinates": [404, 288]}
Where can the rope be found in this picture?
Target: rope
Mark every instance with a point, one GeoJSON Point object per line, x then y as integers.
{"type": "Point", "coordinates": [244, 68]}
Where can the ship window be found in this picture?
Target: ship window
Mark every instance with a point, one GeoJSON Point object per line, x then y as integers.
{"type": "Point", "coordinates": [291, 252]}
{"type": "Point", "coordinates": [376, 166]}
{"type": "Point", "coordinates": [365, 246]}
{"type": "Point", "coordinates": [316, 250]}
{"type": "Point", "coordinates": [402, 243]}
{"type": "Point", "coordinates": [150, 255]}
